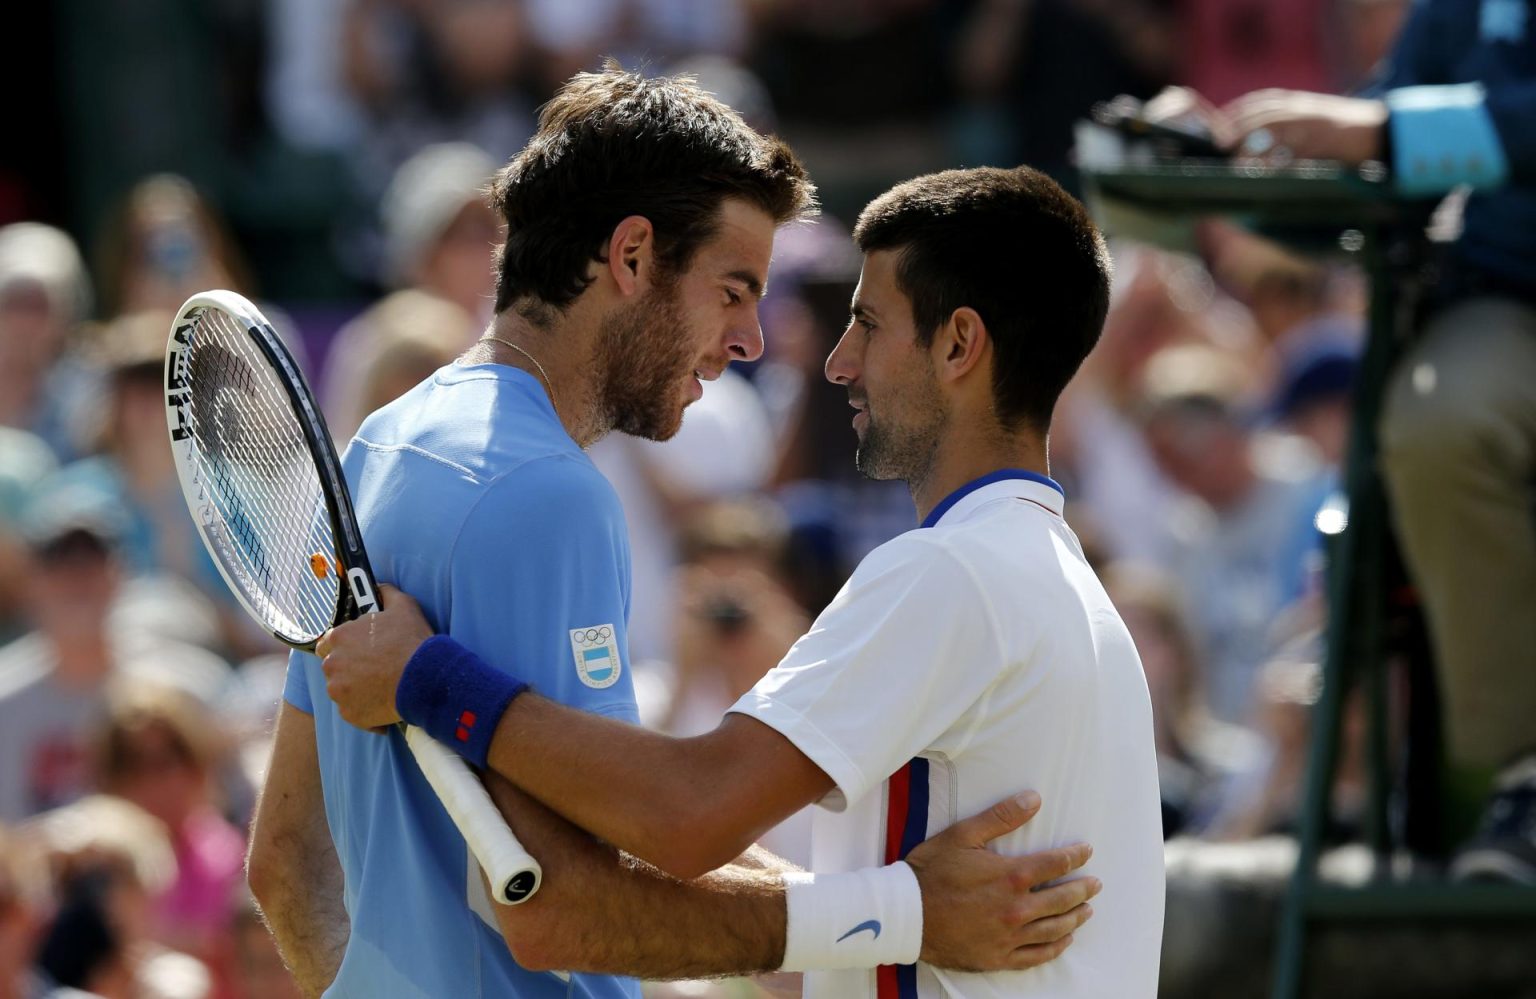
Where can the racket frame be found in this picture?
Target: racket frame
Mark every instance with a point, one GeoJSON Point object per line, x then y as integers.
{"type": "Point", "coordinates": [358, 593]}
{"type": "Point", "coordinates": [450, 777]}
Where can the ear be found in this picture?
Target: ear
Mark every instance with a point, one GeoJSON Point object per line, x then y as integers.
{"type": "Point", "coordinates": [632, 254]}
{"type": "Point", "coordinates": [960, 344]}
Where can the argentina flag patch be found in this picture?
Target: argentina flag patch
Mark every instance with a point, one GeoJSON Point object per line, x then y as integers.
{"type": "Point", "coordinates": [596, 650]}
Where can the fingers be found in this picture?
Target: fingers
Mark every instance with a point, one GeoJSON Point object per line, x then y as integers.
{"type": "Point", "coordinates": [999, 820]}
{"type": "Point", "coordinates": [1065, 897]}
{"type": "Point", "coordinates": [1035, 955]}
{"type": "Point", "coordinates": [1050, 865]}
{"type": "Point", "coordinates": [1053, 928]}
{"type": "Point", "coordinates": [327, 642]}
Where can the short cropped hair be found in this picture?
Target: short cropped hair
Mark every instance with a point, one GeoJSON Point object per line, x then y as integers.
{"type": "Point", "coordinates": [613, 144]}
{"type": "Point", "coordinates": [1015, 247]}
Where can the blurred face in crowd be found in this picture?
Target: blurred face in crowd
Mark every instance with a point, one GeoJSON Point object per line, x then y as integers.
{"type": "Point", "coordinates": [138, 412]}
{"type": "Point", "coordinates": [170, 252]}
{"type": "Point", "coordinates": [458, 266]}
{"type": "Point", "coordinates": [156, 771]}
{"type": "Point", "coordinates": [687, 327]}
{"type": "Point", "coordinates": [1203, 452]}
{"type": "Point", "coordinates": [19, 924]}
{"type": "Point", "coordinates": [31, 329]}
{"type": "Point", "coordinates": [889, 377]}
{"type": "Point", "coordinates": [74, 581]}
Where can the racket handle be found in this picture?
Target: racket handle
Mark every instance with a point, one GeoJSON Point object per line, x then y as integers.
{"type": "Point", "coordinates": [514, 875]}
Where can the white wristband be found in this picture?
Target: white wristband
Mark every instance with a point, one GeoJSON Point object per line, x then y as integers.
{"type": "Point", "coordinates": [857, 920]}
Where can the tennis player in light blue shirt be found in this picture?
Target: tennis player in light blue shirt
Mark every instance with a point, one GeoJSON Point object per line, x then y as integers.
{"type": "Point", "coordinates": [470, 493]}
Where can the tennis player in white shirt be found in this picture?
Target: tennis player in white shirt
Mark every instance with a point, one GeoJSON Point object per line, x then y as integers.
{"type": "Point", "coordinates": [964, 660]}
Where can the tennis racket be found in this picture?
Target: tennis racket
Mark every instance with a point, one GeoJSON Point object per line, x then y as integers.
{"type": "Point", "coordinates": [265, 488]}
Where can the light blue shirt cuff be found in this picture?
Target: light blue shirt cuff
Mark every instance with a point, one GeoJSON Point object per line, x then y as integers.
{"type": "Point", "coordinates": [1443, 137]}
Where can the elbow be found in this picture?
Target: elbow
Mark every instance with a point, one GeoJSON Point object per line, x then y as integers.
{"type": "Point", "coordinates": [540, 938]}
{"type": "Point", "coordinates": [699, 839]}
{"type": "Point", "coordinates": [261, 873]}
{"type": "Point", "coordinates": [535, 954]}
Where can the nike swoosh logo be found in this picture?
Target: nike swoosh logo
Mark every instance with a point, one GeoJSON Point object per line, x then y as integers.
{"type": "Point", "coordinates": [872, 925]}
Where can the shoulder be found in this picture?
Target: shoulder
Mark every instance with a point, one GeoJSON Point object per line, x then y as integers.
{"type": "Point", "coordinates": [916, 568]}
{"type": "Point", "coordinates": [23, 665]}
{"type": "Point", "coordinates": [552, 510]}
{"type": "Point", "coordinates": [554, 488]}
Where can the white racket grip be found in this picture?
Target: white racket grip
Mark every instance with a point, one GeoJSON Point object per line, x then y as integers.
{"type": "Point", "coordinates": [514, 874]}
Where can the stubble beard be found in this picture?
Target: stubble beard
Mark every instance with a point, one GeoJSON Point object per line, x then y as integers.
{"type": "Point", "coordinates": [648, 352]}
{"type": "Point", "coordinates": [903, 449]}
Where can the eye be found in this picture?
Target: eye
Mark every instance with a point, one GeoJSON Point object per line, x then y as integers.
{"type": "Point", "coordinates": [733, 296]}
{"type": "Point", "coordinates": [868, 326]}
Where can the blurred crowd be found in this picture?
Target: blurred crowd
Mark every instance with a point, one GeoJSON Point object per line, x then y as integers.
{"type": "Point", "coordinates": [330, 160]}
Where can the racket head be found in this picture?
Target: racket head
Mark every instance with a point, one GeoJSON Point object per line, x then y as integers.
{"type": "Point", "coordinates": [258, 471]}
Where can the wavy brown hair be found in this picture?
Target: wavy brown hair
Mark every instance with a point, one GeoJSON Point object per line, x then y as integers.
{"type": "Point", "coordinates": [613, 144]}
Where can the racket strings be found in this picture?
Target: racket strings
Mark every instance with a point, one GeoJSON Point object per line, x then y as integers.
{"type": "Point", "coordinates": [267, 514]}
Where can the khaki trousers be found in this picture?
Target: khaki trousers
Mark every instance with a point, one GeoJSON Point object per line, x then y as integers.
{"type": "Point", "coordinates": [1458, 451]}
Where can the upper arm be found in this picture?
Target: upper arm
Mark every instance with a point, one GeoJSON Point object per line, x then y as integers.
{"type": "Point", "coordinates": [290, 827]}
{"type": "Point", "coordinates": [749, 777]}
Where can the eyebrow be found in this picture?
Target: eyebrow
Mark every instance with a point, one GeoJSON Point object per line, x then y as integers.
{"type": "Point", "coordinates": [859, 310]}
{"type": "Point", "coordinates": [756, 287]}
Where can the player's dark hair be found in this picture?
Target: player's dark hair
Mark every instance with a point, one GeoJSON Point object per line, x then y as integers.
{"type": "Point", "coordinates": [1015, 247]}
{"type": "Point", "coordinates": [613, 144]}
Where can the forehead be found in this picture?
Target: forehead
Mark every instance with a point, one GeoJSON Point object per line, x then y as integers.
{"type": "Point", "coordinates": [878, 287]}
{"type": "Point", "coordinates": [743, 240]}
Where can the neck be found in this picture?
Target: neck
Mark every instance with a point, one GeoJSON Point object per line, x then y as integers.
{"type": "Point", "coordinates": [81, 657]}
{"type": "Point", "coordinates": [565, 351]}
{"type": "Point", "coordinates": [966, 455]}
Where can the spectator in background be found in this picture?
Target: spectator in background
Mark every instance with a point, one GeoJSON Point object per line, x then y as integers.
{"type": "Point", "coordinates": [156, 750]}
{"type": "Point", "coordinates": [1158, 300]}
{"type": "Point", "coordinates": [1453, 108]}
{"type": "Point", "coordinates": [1246, 498]}
{"type": "Point", "coordinates": [1029, 71]}
{"type": "Point", "coordinates": [109, 858]}
{"type": "Point", "coordinates": [24, 909]}
{"type": "Point", "coordinates": [24, 462]}
{"type": "Point", "coordinates": [1234, 46]}
{"type": "Point", "coordinates": [411, 335]}
{"type": "Point", "coordinates": [575, 35]}
{"type": "Point", "coordinates": [424, 73]}
{"type": "Point", "coordinates": [1196, 754]}
{"type": "Point", "coordinates": [1315, 395]}
{"type": "Point", "coordinates": [45, 387]}
{"type": "Point", "coordinates": [167, 569]}
{"type": "Point", "coordinates": [54, 681]}
{"type": "Point", "coordinates": [163, 245]}
{"type": "Point", "coordinates": [439, 234]}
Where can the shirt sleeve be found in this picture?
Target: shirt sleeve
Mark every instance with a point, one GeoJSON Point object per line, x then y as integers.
{"type": "Point", "coordinates": [1443, 132]}
{"type": "Point", "coordinates": [296, 684]}
{"type": "Point", "coordinates": [540, 584]}
{"type": "Point", "coordinates": [908, 645]}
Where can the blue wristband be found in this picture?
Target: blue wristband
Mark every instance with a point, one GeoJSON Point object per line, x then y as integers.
{"type": "Point", "coordinates": [455, 696]}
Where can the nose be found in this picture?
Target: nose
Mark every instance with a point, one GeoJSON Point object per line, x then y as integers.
{"type": "Point", "coordinates": [842, 364]}
{"type": "Point", "coordinates": [745, 340]}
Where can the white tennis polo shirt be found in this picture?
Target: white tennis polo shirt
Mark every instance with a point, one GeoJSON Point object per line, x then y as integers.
{"type": "Point", "coordinates": [963, 662]}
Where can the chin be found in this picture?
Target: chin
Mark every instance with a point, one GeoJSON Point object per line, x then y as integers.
{"type": "Point", "coordinates": [659, 423]}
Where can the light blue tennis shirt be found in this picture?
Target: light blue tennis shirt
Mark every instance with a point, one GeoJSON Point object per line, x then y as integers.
{"type": "Point", "coordinates": [473, 499]}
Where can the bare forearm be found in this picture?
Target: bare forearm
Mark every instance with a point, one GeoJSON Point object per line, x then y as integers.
{"type": "Point", "coordinates": [632, 787]}
{"type": "Point", "coordinates": [309, 923]}
{"type": "Point", "coordinates": [292, 867]}
{"type": "Point", "coordinates": [602, 911]}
